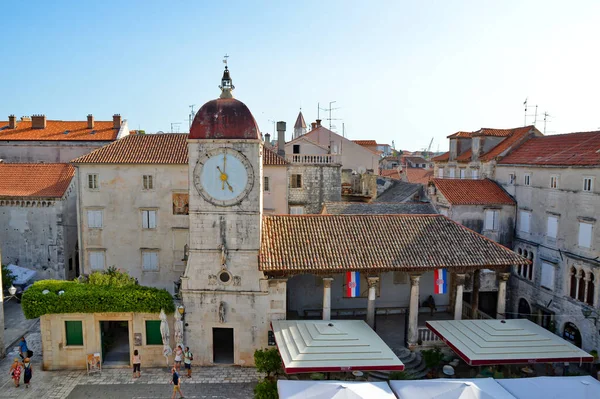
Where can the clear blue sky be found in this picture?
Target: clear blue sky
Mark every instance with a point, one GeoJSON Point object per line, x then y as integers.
{"type": "Point", "coordinates": [399, 70]}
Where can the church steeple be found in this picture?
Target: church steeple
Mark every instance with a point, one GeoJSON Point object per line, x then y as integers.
{"type": "Point", "coordinates": [300, 125]}
{"type": "Point", "coordinates": [226, 84]}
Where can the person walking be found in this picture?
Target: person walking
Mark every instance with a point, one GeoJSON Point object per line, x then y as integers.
{"type": "Point", "coordinates": [188, 356]}
{"type": "Point", "coordinates": [176, 381]}
{"type": "Point", "coordinates": [23, 350]}
{"type": "Point", "coordinates": [27, 371]}
{"type": "Point", "coordinates": [178, 357]}
{"type": "Point", "coordinates": [15, 372]}
{"type": "Point", "coordinates": [137, 364]}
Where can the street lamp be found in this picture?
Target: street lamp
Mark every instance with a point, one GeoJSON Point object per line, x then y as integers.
{"type": "Point", "coordinates": [587, 313]}
{"type": "Point", "coordinates": [12, 290]}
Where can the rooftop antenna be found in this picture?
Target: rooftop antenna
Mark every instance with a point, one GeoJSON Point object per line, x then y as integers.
{"type": "Point", "coordinates": [546, 116]}
{"type": "Point", "coordinates": [176, 124]}
{"type": "Point", "coordinates": [534, 115]}
{"type": "Point", "coordinates": [225, 59]}
{"type": "Point", "coordinates": [191, 116]}
{"type": "Point", "coordinates": [525, 104]}
{"type": "Point", "coordinates": [273, 122]}
{"type": "Point", "coordinates": [329, 110]}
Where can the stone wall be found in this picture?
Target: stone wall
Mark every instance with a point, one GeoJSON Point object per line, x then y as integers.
{"type": "Point", "coordinates": [58, 356]}
{"type": "Point", "coordinates": [320, 184]}
{"type": "Point", "coordinates": [46, 151]}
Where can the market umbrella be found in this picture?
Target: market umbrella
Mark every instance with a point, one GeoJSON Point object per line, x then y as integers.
{"type": "Point", "coordinates": [178, 330]}
{"type": "Point", "coordinates": [164, 332]}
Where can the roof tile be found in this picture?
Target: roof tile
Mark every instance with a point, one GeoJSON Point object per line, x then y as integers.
{"type": "Point", "coordinates": [473, 192]}
{"type": "Point", "coordinates": [270, 157]}
{"type": "Point", "coordinates": [418, 175]}
{"type": "Point", "coordinates": [55, 131]}
{"type": "Point", "coordinates": [35, 180]}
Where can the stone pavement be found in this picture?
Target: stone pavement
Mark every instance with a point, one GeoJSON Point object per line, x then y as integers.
{"type": "Point", "coordinates": [15, 323]}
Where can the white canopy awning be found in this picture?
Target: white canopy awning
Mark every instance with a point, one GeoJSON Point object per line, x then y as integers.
{"type": "Point", "coordinates": [480, 388]}
{"type": "Point", "coordinates": [516, 341]}
{"type": "Point", "coordinates": [22, 275]}
{"type": "Point", "coordinates": [333, 390]}
{"type": "Point", "coordinates": [584, 387]}
{"type": "Point", "coordinates": [308, 346]}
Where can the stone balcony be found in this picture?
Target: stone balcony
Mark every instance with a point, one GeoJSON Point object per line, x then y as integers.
{"type": "Point", "coordinates": [318, 159]}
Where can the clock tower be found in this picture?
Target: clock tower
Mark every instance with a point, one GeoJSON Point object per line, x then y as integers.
{"type": "Point", "coordinates": [226, 297]}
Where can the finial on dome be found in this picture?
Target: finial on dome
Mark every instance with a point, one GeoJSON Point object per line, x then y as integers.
{"type": "Point", "coordinates": [226, 83]}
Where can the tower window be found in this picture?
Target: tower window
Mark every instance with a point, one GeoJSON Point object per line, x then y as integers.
{"type": "Point", "coordinates": [296, 181]}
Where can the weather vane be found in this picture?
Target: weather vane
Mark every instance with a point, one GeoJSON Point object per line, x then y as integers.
{"type": "Point", "coordinates": [225, 59]}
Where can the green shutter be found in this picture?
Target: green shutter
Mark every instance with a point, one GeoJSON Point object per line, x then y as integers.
{"type": "Point", "coordinates": [74, 331]}
{"type": "Point", "coordinates": [153, 335]}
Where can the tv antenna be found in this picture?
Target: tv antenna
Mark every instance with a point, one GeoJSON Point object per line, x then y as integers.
{"type": "Point", "coordinates": [273, 122]}
{"type": "Point", "coordinates": [191, 116]}
{"type": "Point", "coordinates": [176, 124]}
{"type": "Point", "coordinates": [546, 116]}
{"type": "Point", "coordinates": [534, 115]}
{"type": "Point", "coordinates": [225, 59]}
{"type": "Point", "coordinates": [329, 110]}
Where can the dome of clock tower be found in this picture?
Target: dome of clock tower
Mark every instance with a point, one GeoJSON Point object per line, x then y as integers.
{"type": "Point", "coordinates": [224, 118]}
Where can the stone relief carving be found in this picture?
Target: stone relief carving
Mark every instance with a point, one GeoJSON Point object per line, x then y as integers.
{"type": "Point", "coordinates": [222, 312]}
{"type": "Point", "coordinates": [237, 280]}
{"type": "Point", "coordinates": [212, 279]}
{"type": "Point", "coordinates": [223, 256]}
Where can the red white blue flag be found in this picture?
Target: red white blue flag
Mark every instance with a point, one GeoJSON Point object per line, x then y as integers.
{"type": "Point", "coordinates": [352, 284]}
{"type": "Point", "coordinates": [440, 281]}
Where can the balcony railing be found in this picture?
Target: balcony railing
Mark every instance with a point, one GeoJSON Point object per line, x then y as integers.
{"type": "Point", "coordinates": [467, 313]}
{"type": "Point", "coordinates": [320, 159]}
{"type": "Point", "coordinates": [427, 338]}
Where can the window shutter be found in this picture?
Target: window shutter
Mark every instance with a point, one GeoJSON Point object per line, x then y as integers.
{"type": "Point", "coordinates": [144, 219]}
{"type": "Point", "coordinates": [552, 227]}
{"type": "Point", "coordinates": [154, 257]}
{"type": "Point", "coordinates": [585, 235]}
{"type": "Point", "coordinates": [74, 332]}
{"type": "Point", "coordinates": [153, 335]}
{"type": "Point", "coordinates": [489, 220]}
{"type": "Point", "coordinates": [441, 173]}
{"type": "Point", "coordinates": [547, 276]}
{"type": "Point", "coordinates": [524, 221]}
{"type": "Point", "coordinates": [152, 219]}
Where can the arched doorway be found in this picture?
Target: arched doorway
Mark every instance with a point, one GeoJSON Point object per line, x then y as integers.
{"type": "Point", "coordinates": [571, 333]}
{"type": "Point", "coordinates": [524, 309]}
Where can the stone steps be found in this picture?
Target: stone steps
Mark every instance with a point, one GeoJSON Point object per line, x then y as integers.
{"type": "Point", "coordinates": [415, 367]}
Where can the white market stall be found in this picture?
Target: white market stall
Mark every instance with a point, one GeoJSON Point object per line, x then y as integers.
{"type": "Point", "coordinates": [308, 346]}
{"type": "Point", "coordinates": [583, 387]}
{"type": "Point", "coordinates": [515, 341]}
{"type": "Point", "coordinates": [480, 388]}
{"type": "Point", "coordinates": [333, 390]}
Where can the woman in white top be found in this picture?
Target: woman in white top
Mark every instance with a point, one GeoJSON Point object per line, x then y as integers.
{"type": "Point", "coordinates": [178, 357]}
{"type": "Point", "coordinates": [137, 364]}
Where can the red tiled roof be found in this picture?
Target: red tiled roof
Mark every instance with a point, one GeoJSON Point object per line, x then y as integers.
{"type": "Point", "coordinates": [465, 156]}
{"type": "Point", "coordinates": [365, 142]}
{"type": "Point", "coordinates": [391, 173]}
{"type": "Point", "coordinates": [515, 137]}
{"type": "Point", "coordinates": [582, 149]}
{"type": "Point", "coordinates": [473, 192]}
{"type": "Point", "coordinates": [459, 135]}
{"type": "Point", "coordinates": [293, 244]}
{"type": "Point", "coordinates": [418, 175]}
{"type": "Point", "coordinates": [270, 157]}
{"type": "Point", "coordinates": [442, 158]}
{"type": "Point", "coordinates": [167, 148]}
{"type": "Point", "coordinates": [55, 131]}
{"type": "Point", "coordinates": [37, 180]}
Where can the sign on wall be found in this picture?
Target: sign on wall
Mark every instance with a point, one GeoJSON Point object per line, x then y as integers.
{"type": "Point", "coordinates": [94, 364]}
{"type": "Point", "coordinates": [137, 339]}
{"type": "Point", "coordinates": [181, 203]}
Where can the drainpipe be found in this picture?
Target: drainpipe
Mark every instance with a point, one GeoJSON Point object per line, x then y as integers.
{"type": "Point", "coordinates": [79, 221]}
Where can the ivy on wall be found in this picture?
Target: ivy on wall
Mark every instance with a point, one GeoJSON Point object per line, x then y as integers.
{"type": "Point", "coordinates": [59, 296]}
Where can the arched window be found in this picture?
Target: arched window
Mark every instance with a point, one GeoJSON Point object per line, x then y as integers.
{"type": "Point", "coordinates": [573, 288]}
{"type": "Point", "coordinates": [590, 289]}
{"type": "Point", "coordinates": [581, 286]}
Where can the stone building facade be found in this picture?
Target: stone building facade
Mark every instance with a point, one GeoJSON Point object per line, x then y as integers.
{"type": "Point", "coordinates": [38, 215]}
{"type": "Point", "coordinates": [36, 139]}
{"type": "Point", "coordinates": [311, 185]}
{"type": "Point", "coordinates": [555, 182]}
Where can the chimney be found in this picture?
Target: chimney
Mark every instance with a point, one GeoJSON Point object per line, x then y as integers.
{"type": "Point", "coordinates": [26, 119]}
{"type": "Point", "coordinates": [281, 138]}
{"type": "Point", "coordinates": [90, 121]}
{"type": "Point", "coordinates": [12, 122]}
{"type": "Point", "coordinates": [38, 121]}
{"type": "Point", "coordinates": [268, 139]}
{"type": "Point", "coordinates": [116, 121]}
{"type": "Point", "coordinates": [313, 125]}
{"type": "Point", "coordinates": [318, 123]}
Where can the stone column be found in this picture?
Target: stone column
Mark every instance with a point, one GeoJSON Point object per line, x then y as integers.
{"type": "Point", "coordinates": [413, 310]}
{"type": "Point", "coordinates": [475, 294]}
{"type": "Point", "coordinates": [501, 305]}
{"type": "Point", "coordinates": [458, 302]}
{"type": "Point", "coordinates": [372, 281]}
{"type": "Point", "coordinates": [327, 298]}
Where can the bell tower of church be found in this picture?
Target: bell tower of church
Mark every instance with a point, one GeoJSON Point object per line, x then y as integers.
{"type": "Point", "coordinates": [226, 297]}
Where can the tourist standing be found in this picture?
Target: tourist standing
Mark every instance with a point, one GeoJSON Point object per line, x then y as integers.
{"type": "Point", "coordinates": [188, 356]}
{"type": "Point", "coordinates": [176, 381]}
{"type": "Point", "coordinates": [137, 364]}
{"type": "Point", "coordinates": [15, 372]}
{"type": "Point", "coordinates": [178, 357]}
{"type": "Point", "coordinates": [27, 371]}
{"type": "Point", "coordinates": [23, 348]}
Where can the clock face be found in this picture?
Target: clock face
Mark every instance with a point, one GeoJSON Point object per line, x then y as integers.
{"type": "Point", "coordinates": [223, 176]}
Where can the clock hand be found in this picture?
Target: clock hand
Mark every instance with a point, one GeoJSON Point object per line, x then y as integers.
{"type": "Point", "coordinates": [229, 185]}
{"type": "Point", "coordinates": [223, 177]}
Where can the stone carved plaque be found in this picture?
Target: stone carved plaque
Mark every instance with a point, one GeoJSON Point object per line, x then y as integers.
{"type": "Point", "coordinates": [137, 339]}
{"type": "Point", "coordinates": [212, 279]}
{"type": "Point", "coordinates": [237, 281]}
{"type": "Point", "coordinates": [181, 203]}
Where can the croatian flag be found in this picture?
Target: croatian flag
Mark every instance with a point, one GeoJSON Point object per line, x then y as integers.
{"type": "Point", "coordinates": [352, 284]}
{"type": "Point", "coordinates": [440, 281]}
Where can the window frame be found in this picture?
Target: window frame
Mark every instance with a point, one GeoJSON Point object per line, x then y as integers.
{"type": "Point", "coordinates": [512, 178]}
{"type": "Point", "coordinates": [73, 345]}
{"type": "Point", "coordinates": [300, 207]}
{"type": "Point", "coordinates": [296, 180]}
{"type": "Point", "coordinates": [96, 252]}
{"type": "Point", "coordinates": [589, 179]}
{"type": "Point", "coordinates": [544, 269]}
{"type": "Point", "coordinates": [494, 220]}
{"type": "Point", "coordinates": [147, 179]}
{"type": "Point", "coordinates": [548, 218]}
{"type": "Point", "coordinates": [146, 335]}
{"type": "Point", "coordinates": [591, 235]}
{"type": "Point", "coordinates": [146, 219]}
{"type": "Point", "coordinates": [475, 174]}
{"type": "Point", "coordinates": [554, 184]}
{"type": "Point", "coordinates": [95, 213]}
{"type": "Point", "coordinates": [266, 184]}
{"type": "Point", "coordinates": [93, 183]}
{"type": "Point", "coordinates": [527, 179]}
{"type": "Point", "coordinates": [520, 223]}
{"type": "Point", "coordinates": [451, 173]}
{"type": "Point", "coordinates": [462, 173]}
{"type": "Point", "coordinates": [156, 258]}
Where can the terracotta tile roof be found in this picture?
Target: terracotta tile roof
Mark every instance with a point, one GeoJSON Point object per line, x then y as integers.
{"type": "Point", "coordinates": [517, 135]}
{"type": "Point", "coordinates": [335, 243]}
{"type": "Point", "coordinates": [442, 158]}
{"type": "Point", "coordinates": [485, 131]}
{"type": "Point", "coordinates": [473, 192]}
{"type": "Point", "coordinates": [271, 158]}
{"type": "Point", "coordinates": [581, 149]}
{"type": "Point", "coordinates": [378, 208]}
{"type": "Point", "coordinates": [459, 135]}
{"type": "Point", "coordinates": [414, 159]}
{"type": "Point", "coordinates": [365, 142]}
{"type": "Point", "coordinates": [165, 148]}
{"type": "Point", "coordinates": [35, 180]}
{"type": "Point", "coordinates": [391, 173]}
{"type": "Point", "coordinates": [169, 148]}
{"type": "Point", "coordinates": [465, 156]}
{"type": "Point", "coordinates": [418, 175]}
{"type": "Point", "coordinates": [300, 121]}
{"type": "Point", "coordinates": [399, 191]}
{"type": "Point", "coordinates": [55, 131]}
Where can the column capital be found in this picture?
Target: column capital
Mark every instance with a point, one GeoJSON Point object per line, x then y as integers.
{"type": "Point", "coordinates": [327, 282]}
{"type": "Point", "coordinates": [460, 278]}
{"type": "Point", "coordinates": [503, 276]}
{"type": "Point", "coordinates": [372, 281]}
{"type": "Point", "coordinates": [414, 278]}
